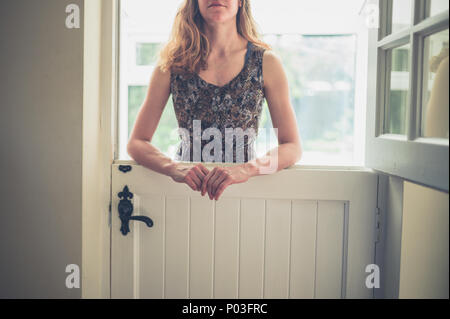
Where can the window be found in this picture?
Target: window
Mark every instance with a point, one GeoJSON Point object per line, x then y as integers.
{"type": "Point", "coordinates": [408, 98]}
{"type": "Point", "coordinates": [435, 51]}
{"type": "Point", "coordinates": [397, 98]}
{"type": "Point", "coordinates": [321, 74]}
{"type": "Point", "coordinates": [323, 46]}
{"type": "Point", "coordinates": [434, 7]}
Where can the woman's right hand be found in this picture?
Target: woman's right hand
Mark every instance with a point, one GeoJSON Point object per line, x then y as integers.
{"type": "Point", "coordinates": [192, 175]}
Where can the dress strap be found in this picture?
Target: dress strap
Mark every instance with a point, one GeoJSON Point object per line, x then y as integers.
{"type": "Point", "coordinates": [249, 48]}
{"type": "Point", "coordinates": [259, 60]}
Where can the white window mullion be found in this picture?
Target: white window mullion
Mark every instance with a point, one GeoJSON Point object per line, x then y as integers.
{"type": "Point", "coordinates": [416, 76]}
{"type": "Point", "coordinates": [414, 83]}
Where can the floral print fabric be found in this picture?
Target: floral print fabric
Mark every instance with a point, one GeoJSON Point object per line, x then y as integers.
{"type": "Point", "coordinates": [236, 105]}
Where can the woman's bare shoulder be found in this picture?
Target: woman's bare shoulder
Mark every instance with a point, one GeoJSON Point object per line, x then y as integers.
{"type": "Point", "coordinates": [271, 59]}
{"type": "Point", "coordinates": [272, 67]}
{"type": "Point", "coordinates": [161, 75]}
{"type": "Point", "coordinates": [159, 80]}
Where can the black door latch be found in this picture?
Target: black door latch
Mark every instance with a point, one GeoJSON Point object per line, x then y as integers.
{"type": "Point", "coordinates": [126, 209]}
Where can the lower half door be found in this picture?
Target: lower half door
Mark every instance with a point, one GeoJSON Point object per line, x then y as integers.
{"type": "Point", "coordinates": [299, 233]}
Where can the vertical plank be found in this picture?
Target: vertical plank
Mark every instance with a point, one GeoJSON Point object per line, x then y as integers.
{"type": "Point", "coordinates": [330, 250]}
{"type": "Point", "coordinates": [177, 244]}
{"type": "Point", "coordinates": [303, 249]}
{"type": "Point", "coordinates": [122, 274]}
{"type": "Point", "coordinates": [226, 249]}
{"type": "Point", "coordinates": [151, 244]}
{"type": "Point", "coordinates": [276, 277]}
{"type": "Point", "coordinates": [251, 248]}
{"type": "Point", "coordinates": [201, 248]}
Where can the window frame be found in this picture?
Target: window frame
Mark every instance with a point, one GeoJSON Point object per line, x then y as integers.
{"type": "Point", "coordinates": [412, 157]}
{"type": "Point", "coordinates": [358, 107]}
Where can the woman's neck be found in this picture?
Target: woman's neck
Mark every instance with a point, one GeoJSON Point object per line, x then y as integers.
{"type": "Point", "coordinates": [224, 39]}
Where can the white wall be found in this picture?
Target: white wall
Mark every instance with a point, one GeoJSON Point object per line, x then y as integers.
{"type": "Point", "coordinates": [424, 257]}
{"type": "Point", "coordinates": [41, 90]}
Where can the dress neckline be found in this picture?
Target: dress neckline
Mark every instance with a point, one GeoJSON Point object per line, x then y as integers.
{"type": "Point", "coordinates": [249, 44]}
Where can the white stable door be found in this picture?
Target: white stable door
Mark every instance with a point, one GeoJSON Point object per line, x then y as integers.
{"type": "Point", "coordinates": [299, 233]}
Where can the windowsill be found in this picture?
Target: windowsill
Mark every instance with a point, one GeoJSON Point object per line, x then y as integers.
{"type": "Point", "coordinates": [421, 140]}
{"type": "Point", "coordinates": [294, 167]}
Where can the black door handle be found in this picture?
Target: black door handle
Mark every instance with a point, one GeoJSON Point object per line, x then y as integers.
{"type": "Point", "coordinates": [126, 209]}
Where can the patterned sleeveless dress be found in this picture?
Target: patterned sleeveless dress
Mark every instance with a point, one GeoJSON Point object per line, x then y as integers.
{"type": "Point", "coordinates": [219, 123]}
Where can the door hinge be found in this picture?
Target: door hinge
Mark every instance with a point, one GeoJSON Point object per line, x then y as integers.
{"type": "Point", "coordinates": [377, 224]}
{"type": "Point", "coordinates": [109, 214]}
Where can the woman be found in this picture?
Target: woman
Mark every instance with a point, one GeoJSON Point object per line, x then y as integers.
{"type": "Point", "coordinates": [218, 72]}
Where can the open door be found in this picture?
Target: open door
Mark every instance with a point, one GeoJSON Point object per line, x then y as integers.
{"type": "Point", "coordinates": [304, 232]}
{"type": "Point", "coordinates": [408, 97]}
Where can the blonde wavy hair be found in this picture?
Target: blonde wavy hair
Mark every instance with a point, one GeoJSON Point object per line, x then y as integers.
{"type": "Point", "coordinates": [188, 47]}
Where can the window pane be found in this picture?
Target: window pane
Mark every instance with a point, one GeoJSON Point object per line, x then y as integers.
{"type": "Point", "coordinates": [435, 86]}
{"type": "Point", "coordinates": [398, 91]}
{"type": "Point", "coordinates": [163, 139]}
{"type": "Point", "coordinates": [436, 6]}
{"type": "Point", "coordinates": [401, 14]}
{"type": "Point", "coordinates": [321, 76]}
{"type": "Point", "coordinates": [320, 60]}
{"type": "Point", "coordinates": [147, 53]}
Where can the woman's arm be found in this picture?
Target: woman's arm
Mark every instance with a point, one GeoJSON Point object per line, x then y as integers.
{"type": "Point", "coordinates": [289, 148]}
{"type": "Point", "coordinates": [139, 146]}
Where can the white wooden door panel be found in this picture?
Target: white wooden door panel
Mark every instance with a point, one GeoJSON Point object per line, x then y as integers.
{"type": "Point", "coordinates": [149, 274]}
{"type": "Point", "coordinates": [201, 250]}
{"type": "Point", "coordinates": [295, 234]}
{"type": "Point", "coordinates": [251, 249]}
{"type": "Point", "coordinates": [303, 249]}
{"type": "Point", "coordinates": [177, 247]}
{"type": "Point", "coordinates": [329, 249]}
{"type": "Point", "coordinates": [276, 273]}
{"type": "Point", "coordinates": [226, 248]}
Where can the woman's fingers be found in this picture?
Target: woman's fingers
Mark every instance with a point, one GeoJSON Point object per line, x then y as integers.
{"type": "Point", "coordinates": [196, 176]}
{"type": "Point", "coordinates": [188, 180]}
{"type": "Point", "coordinates": [224, 175]}
{"type": "Point", "coordinates": [198, 172]}
{"type": "Point", "coordinates": [197, 180]}
{"type": "Point", "coordinates": [206, 179]}
{"type": "Point", "coordinates": [204, 170]}
{"type": "Point", "coordinates": [217, 175]}
{"type": "Point", "coordinates": [222, 187]}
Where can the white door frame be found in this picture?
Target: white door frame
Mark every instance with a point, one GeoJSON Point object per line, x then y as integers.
{"type": "Point", "coordinates": [100, 113]}
{"type": "Point", "coordinates": [99, 138]}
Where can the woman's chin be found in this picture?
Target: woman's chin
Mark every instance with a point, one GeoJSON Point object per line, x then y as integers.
{"type": "Point", "coordinates": [215, 19]}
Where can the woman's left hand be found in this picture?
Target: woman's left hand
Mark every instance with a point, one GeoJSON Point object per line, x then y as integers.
{"type": "Point", "coordinates": [221, 177]}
